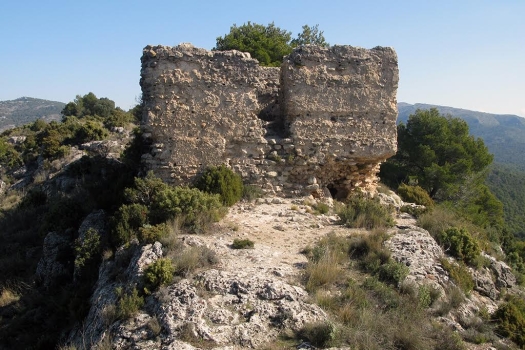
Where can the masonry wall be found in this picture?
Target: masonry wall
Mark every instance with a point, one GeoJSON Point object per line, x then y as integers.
{"type": "Point", "coordinates": [322, 122]}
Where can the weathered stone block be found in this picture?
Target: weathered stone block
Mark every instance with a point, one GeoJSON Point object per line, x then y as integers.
{"type": "Point", "coordinates": [327, 113]}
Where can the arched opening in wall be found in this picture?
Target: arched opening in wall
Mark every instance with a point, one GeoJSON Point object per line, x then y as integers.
{"type": "Point", "coordinates": [338, 192]}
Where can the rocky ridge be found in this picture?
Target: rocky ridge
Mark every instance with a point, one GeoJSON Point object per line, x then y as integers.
{"type": "Point", "coordinates": [254, 294]}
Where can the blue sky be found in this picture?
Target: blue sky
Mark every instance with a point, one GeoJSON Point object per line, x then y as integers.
{"type": "Point", "coordinates": [462, 53]}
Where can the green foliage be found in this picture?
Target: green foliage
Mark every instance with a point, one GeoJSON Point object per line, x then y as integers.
{"type": "Point", "coordinates": [151, 234]}
{"type": "Point", "coordinates": [438, 151]}
{"type": "Point", "coordinates": [311, 35]}
{"type": "Point", "coordinates": [510, 318]}
{"type": "Point", "coordinates": [159, 273]}
{"type": "Point", "coordinates": [154, 202]}
{"type": "Point", "coordinates": [129, 304]}
{"type": "Point", "coordinates": [318, 333]}
{"type": "Point", "coordinates": [393, 272]}
{"type": "Point", "coordinates": [508, 184]}
{"type": "Point", "coordinates": [127, 221]}
{"type": "Point", "coordinates": [460, 244]}
{"type": "Point", "coordinates": [460, 274]}
{"type": "Point", "coordinates": [190, 259]}
{"type": "Point", "coordinates": [90, 131]}
{"type": "Point", "coordinates": [222, 181]}
{"type": "Point", "coordinates": [9, 156]}
{"type": "Point", "coordinates": [415, 194]}
{"type": "Point", "coordinates": [242, 244]}
{"type": "Point", "coordinates": [268, 44]}
{"type": "Point", "coordinates": [361, 212]}
{"type": "Point", "coordinates": [322, 208]}
{"type": "Point", "coordinates": [89, 105]}
{"type": "Point", "coordinates": [251, 192]}
{"type": "Point", "coordinates": [88, 248]}
{"type": "Point", "coordinates": [197, 209]}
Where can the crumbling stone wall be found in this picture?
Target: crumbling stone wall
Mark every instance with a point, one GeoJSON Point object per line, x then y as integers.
{"type": "Point", "coordinates": [322, 122]}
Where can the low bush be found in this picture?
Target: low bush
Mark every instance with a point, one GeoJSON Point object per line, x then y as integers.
{"type": "Point", "coordinates": [87, 249]}
{"type": "Point", "coordinates": [242, 244]}
{"type": "Point", "coordinates": [415, 194]}
{"type": "Point", "coordinates": [251, 192]}
{"type": "Point", "coordinates": [460, 244]}
{"type": "Point", "coordinates": [322, 208]}
{"type": "Point", "coordinates": [127, 221]}
{"type": "Point", "coordinates": [510, 318]}
{"type": "Point", "coordinates": [193, 258]}
{"type": "Point", "coordinates": [197, 209]}
{"type": "Point", "coordinates": [129, 304]}
{"type": "Point", "coordinates": [318, 333]}
{"type": "Point", "coordinates": [222, 181]}
{"type": "Point", "coordinates": [323, 272]}
{"type": "Point", "coordinates": [361, 212]}
{"type": "Point", "coordinates": [151, 234]}
{"type": "Point", "coordinates": [393, 272]}
{"type": "Point", "coordinates": [415, 211]}
{"type": "Point", "coordinates": [459, 274]}
{"type": "Point", "coordinates": [159, 273]}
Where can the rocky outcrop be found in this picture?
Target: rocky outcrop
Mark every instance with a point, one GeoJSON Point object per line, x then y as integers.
{"type": "Point", "coordinates": [417, 249]}
{"type": "Point", "coordinates": [324, 121]}
{"type": "Point", "coordinates": [51, 267]}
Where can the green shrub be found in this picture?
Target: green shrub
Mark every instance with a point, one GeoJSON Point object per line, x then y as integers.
{"type": "Point", "coordinates": [159, 273]}
{"type": "Point", "coordinates": [242, 244]}
{"type": "Point", "coordinates": [415, 194]}
{"type": "Point", "coordinates": [361, 212]}
{"type": "Point", "coordinates": [460, 244]}
{"type": "Point", "coordinates": [318, 333]}
{"type": "Point", "coordinates": [88, 248]}
{"type": "Point", "coordinates": [251, 192]}
{"type": "Point", "coordinates": [222, 181]}
{"type": "Point", "coordinates": [91, 130]}
{"type": "Point", "coordinates": [127, 221]}
{"type": "Point", "coordinates": [129, 304]}
{"type": "Point", "coordinates": [322, 208]}
{"type": "Point", "coordinates": [324, 271]}
{"type": "Point", "coordinates": [413, 210]}
{"type": "Point", "coordinates": [393, 272]}
{"type": "Point", "coordinates": [510, 318]}
{"type": "Point", "coordinates": [151, 234]}
{"type": "Point", "coordinates": [193, 258]}
{"type": "Point", "coordinates": [427, 295]}
{"type": "Point", "coordinates": [460, 274]}
{"type": "Point", "coordinates": [195, 207]}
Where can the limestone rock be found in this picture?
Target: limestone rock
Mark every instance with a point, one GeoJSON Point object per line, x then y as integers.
{"type": "Point", "coordinates": [485, 284]}
{"type": "Point", "coordinates": [417, 249]}
{"type": "Point", "coordinates": [50, 267]}
{"type": "Point", "coordinates": [502, 272]}
{"type": "Point", "coordinates": [101, 320]}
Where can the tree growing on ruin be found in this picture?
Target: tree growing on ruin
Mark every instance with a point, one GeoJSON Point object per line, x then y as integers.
{"type": "Point", "coordinates": [311, 35]}
{"type": "Point", "coordinates": [268, 44]}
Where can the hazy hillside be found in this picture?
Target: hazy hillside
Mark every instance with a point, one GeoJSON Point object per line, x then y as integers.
{"type": "Point", "coordinates": [504, 134]}
{"type": "Point", "coordinates": [25, 110]}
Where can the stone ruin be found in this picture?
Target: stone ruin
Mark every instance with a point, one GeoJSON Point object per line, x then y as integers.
{"type": "Point", "coordinates": [320, 124]}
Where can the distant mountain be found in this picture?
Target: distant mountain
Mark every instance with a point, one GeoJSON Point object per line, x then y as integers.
{"type": "Point", "coordinates": [25, 110]}
{"type": "Point", "coordinates": [504, 134]}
